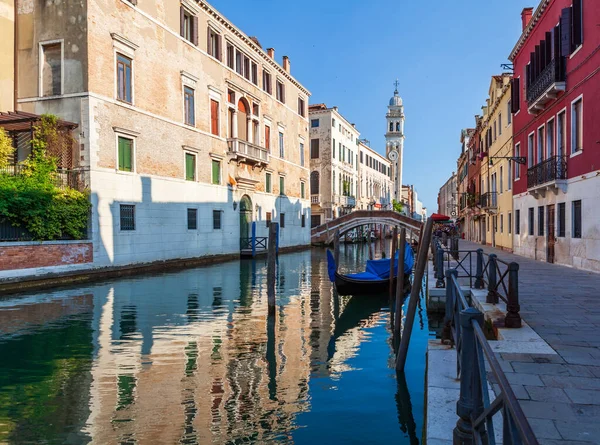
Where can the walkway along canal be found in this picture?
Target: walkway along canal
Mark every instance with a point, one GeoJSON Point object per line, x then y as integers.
{"type": "Point", "coordinates": [190, 357]}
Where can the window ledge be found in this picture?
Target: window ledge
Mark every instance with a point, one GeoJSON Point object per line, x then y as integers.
{"type": "Point", "coordinates": [577, 153]}
{"type": "Point", "coordinates": [216, 156]}
{"type": "Point", "coordinates": [122, 172]}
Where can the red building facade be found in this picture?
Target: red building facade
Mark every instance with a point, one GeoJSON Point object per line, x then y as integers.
{"type": "Point", "coordinates": [556, 127]}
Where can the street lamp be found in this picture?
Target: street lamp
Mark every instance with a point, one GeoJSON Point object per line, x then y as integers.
{"type": "Point", "coordinates": [518, 159]}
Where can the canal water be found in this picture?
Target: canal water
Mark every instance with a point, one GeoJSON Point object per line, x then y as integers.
{"type": "Point", "coordinates": [191, 357]}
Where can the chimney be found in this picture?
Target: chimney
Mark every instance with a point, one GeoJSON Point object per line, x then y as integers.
{"type": "Point", "coordinates": [526, 16]}
{"type": "Point", "coordinates": [286, 64]}
{"type": "Point", "coordinates": [271, 52]}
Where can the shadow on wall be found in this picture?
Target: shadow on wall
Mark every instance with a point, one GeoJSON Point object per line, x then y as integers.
{"type": "Point", "coordinates": [160, 227]}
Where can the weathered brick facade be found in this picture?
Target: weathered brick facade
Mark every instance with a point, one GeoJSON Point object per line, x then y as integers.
{"type": "Point", "coordinates": [23, 256]}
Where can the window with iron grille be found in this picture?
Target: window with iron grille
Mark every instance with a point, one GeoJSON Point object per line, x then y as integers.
{"type": "Point", "coordinates": [282, 220]}
{"type": "Point", "coordinates": [531, 221]}
{"type": "Point", "coordinates": [303, 220]}
{"type": "Point", "coordinates": [561, 219]}
{"type": "Point", "coordinates": [127, 216]}
{"type": "Point", "coordinates": [192, 219]}
{"type": "Point", "coordinates": [577, 219]}
{"type": "Point", "coordinates": [216, 219]}
{"type": "Point", "coordinates": [517, 222]}
{"type": "Point", "coordinates": [541, 221]}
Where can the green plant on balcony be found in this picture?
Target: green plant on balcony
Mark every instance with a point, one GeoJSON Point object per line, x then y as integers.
{"type": "Point", "coordinates": [472, 199]}
{"type": "Point", "coordinates": [346, 188]}
{"type": "Point", "coordinates": [397, 206]}
{"type": "Point", "coordinates": [31, 199]}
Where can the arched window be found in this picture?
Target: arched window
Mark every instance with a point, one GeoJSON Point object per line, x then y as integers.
{"type": "Point", "coordinates": [391, 126]}
{"type": "Point", "coordinates": [397, 126]}
{"type": "Point", "coordinates": [314, 183]}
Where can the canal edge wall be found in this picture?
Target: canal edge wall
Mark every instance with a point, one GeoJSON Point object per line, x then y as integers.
{"type": "Point", "coordinates": [33, 279]}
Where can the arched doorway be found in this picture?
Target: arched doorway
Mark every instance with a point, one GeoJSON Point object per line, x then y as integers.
{"type": "Point", "coordinates": [245, 216]}
{"type": "Point", "coordinates": [242, 119]}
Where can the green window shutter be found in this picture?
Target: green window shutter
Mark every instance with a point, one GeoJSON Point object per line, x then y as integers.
{"type": "Point", "coordinates": [302, 190]}
{"type": "Point", "coordinates": [268, 183]}
{"type": "Point", "coordinates": [216, 172]}
{"type": "Point", "coordinates": [125, 154]}
{"type": "Point", "coordinates": [121, 153]}
{"type": "Point", "coordinates": [281, 185]}
{"type": "Point", "coordinates": [190, 167]}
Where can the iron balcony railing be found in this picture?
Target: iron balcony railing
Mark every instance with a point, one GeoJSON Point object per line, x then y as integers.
{"type": "Point", "coordinates": [550, 170]}
{"type": "Point", "coordinates": [553, 73]}
{"type": "Point", "coordinates": [248, 150]}
{"type": "Point", "coordinates": [489, 200]}
{"type": "Point", "coordinates": [78, 178]}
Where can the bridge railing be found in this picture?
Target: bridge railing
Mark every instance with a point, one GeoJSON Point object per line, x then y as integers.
{"type": "Point", "coordinates": [475, 410]}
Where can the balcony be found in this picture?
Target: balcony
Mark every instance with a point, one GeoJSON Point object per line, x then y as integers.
{"type": "Point", "coordinates": [246, 152]}
{"type": "Point", "coordinates": [489, 200]}
{"type": "Point", "coordinates": [546, 87]}
{"type": "Point", "coordinates": [550, 174]}
{"type": "Point", "coordinates": [315, 199]}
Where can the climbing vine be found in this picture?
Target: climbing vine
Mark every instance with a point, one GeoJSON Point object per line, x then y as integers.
{"type": "Point", "coordinates": [6, 149]}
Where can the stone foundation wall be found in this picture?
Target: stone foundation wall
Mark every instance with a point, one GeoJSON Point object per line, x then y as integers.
{"type": "Point", "coordinates": [25, 255]}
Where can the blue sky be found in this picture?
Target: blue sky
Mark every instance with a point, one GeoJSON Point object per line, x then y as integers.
{"type": "Point", "coordinates": [348, 54]}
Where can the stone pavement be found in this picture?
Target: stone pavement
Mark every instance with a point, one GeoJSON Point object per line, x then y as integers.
{"type": "Point", "coordinates": [560, 394]}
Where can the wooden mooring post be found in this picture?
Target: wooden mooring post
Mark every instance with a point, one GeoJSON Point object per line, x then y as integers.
{"type": "Point", "coordinates": [399, 288]}
{"type": "Point", "coordinates": [414, 296]}
{"type": "Point", "coordinates": [271, 257]}
{"type": "Point", "coordinates": [391, 289]}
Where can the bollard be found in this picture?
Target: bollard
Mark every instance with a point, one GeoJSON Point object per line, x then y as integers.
{"type": "Point", "coordinates": [492, 296]}
{"type": "Point", "coordinates": [450, 301]}
{"type": "Point", "coordinates": [513, 318]}
{"type": "Point", "coordinates": [440, 267]}
{"type": "Point", "coordinates": [470, 403]}
{"type": "Point", "coordinates": [479, 272]}
{"type": "Point", "coordinates": [271, 256]}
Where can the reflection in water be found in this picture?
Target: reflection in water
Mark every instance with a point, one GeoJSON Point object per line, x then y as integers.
{"type": "Point", "coordinates": [192, 357]}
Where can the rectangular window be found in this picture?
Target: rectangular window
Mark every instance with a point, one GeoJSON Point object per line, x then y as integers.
{"type": "Point", "coordinates": [267, 86]}
{"type": "Point", "coordinates": [303, 220]}
{"type": "Point", "coordinates": [125, 154]}
{"type": "Point", "coordinates": [494, 130]}
{"type": "Point", "coordinates": [577, 126]}
{"type": "Point", "coordinates": [501, 179]}
{"type": "Point", "coordinates": [217, 219]}
{"type": "Point", "coordinates": [509, 174]}
{"type": "Point", "coordinates": [314, 123]}
{"type": "Point", "coordinates": [214, 117]}
{"type": "Point", "coordinates": [281, 185]}
{"type": "Point", "coordinates": [214, 44]}
{"type": "Point", "coordinates": [509, 113]}
{"type": "Point", "coordinates": [246, 67]}
{"type": "Point", "coordinates": [509, 222]}
{"type": "Point", "coordinates": [530, 150]}
{"type": "Point", "coordinates": [500, 124]}
{"type": "Point", "coordinates": [216, 172]}
{"type": "Point", "coordinates": [531, 221]}
{"type": "Point", "coordinates": [51, 64]}
{"type": "Point", "coordinates": [254, 73]}
{"type": "Point", "coordinates": [188, 26]}
{"type": "Point", "coordinates": [517, 165]}
{"type": "Point", "coordinates": [190, 167]}
{"type": "Point", "coordinates": [541, 221]}
{"type": "Point", "coordinates": [561, 219]}
{"type": "Point", "coordinates": [192, 219]}
{"type": "Point", "coordinates": [280, 92]}
{"type": "Point", "coordinates": [550, 139]}
{"type": "Point", "coordinates": [127, 216]}
{"type": "Point", "coordinates": [560, 135]}
{"type": "Point", "coordinates": [301, 154]}
{"type": "Point", "coordinates": [314, 148]}
{"type": "Point", "coordinates": [268, 138]}
{"type": "Point", "coordinates": [302, 191]}
{"type": "Point", "coordinates": [517, 222]}
{"type": "Point", "coordinates": [268, 218]}
{"type": "Point", "coordinates": [576, 219]}
{"type": "Point", "coordinates": [301, 107]}
{"type": "Point", "coordinates": [188, 106]}
{"type": "Point", "coordinates": [282, 220]}
{"type": "Point", "coordinates": [540, 145]}
{"type": "Point", "coordinates": [501, 223]}
{"type": "Point", "coordinates": [230, 56]}
{"type": "Point", "coordinates": [281, 146]}
{"type": "Point", "coordinates": [124, 78]}
{"type": "Point", "coordinates": [340, 151]}
{"type": "Point", "coordinates": [239, 62]}
{"type": "Point", "coordinates": [268, 183]}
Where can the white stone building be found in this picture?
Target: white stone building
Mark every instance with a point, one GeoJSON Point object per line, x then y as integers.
{"type": "Point", "coordinates": [334, 165]}
{"type": "Point", "coordinates": [190, 130]}
{"type": "Point", "coordinates": [447, 202]}
{"type": "Point", "coordinates": [375, 183]}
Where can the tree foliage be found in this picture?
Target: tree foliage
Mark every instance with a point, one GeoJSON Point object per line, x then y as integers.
{"type": "Point", "coordinates": [398, 206]}
{"type": "Point", "coordinates": [6, 149]}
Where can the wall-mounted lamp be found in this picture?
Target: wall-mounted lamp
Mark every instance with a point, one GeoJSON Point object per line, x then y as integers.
{"type": "Point", "coordinates": [517, 159]}
{"type": "Point", "coordinates": [234, 205]}
{"type": "Point", "coordinates": [256, 207]}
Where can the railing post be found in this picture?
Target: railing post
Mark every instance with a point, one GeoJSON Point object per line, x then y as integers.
{"type": "Point", "coordinates": [445, 239]}
{"type": "Point", "coordinates": [450, 299]}
{"type": "Point", "coordinates": [513, 318]}
{"type": "Point", "coordinates": [479, 270]}
{"type": "Point", "coordinates": [492, 296]}
{"type": "Point", "coordinates": [439, 256]}
{"type": "Point", "coordinates": [470, 403]}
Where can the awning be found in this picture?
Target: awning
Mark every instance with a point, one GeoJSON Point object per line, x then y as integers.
{"type": "Point", "coordinates": [439, 218]}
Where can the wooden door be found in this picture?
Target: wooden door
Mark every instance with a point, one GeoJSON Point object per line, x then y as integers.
{"type": "Point", "coordinates": [550, 235]}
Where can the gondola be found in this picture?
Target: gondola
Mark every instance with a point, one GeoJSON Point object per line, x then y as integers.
{"type": "Point", "coordinates": [374, 280]}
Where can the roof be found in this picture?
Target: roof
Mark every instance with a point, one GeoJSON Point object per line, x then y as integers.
{"type": "Point", "coordinates": [21, 121]}
{"type": "Point", "coordinates": [317, 107]}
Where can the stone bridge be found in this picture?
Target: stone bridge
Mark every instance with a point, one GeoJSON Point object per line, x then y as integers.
{"type": "Point", "coordinates": [325, 233]}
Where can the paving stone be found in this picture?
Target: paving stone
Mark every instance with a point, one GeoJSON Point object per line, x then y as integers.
{"type": "Point", "coordinates": [540, 368]}
{"type": "Point", "coordinates": [570, 382]}
{"type": "Point", "coordinates": [548, 410]}
{"type": "Point", "coordinates": [579, 431]}
{"type": "Point", "coordinates": [524, 379]}
{"type": "Point", "coordinates": [516, 357]}
{"type": "Point", "coordinates": [583, 396]}
{"type": "Point", "coordinates": [545, 394]}
{"type": "Point", "coordinates": [544, 429]}
{"type": "Point", "coordinates": [580, 370]}
{"type": "Point", "coordinates": [518, 390]}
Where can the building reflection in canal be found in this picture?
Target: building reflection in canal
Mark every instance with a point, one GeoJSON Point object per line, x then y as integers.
{"type": "Point", "coordinates": [187, 357]}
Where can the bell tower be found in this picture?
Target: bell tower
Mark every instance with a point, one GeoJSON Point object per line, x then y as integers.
{"type": "Point", "coordinates": [394, 140]}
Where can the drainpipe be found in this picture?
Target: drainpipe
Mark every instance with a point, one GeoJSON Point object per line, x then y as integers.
{"type": "Point", "coordinates": [15, 53]}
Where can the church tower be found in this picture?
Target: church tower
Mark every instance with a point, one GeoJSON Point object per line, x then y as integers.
{"type": "Point", "coordinates": [394, 138]}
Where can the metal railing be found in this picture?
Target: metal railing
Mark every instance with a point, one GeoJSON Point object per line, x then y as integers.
{"type": "Point", "coordinates": [550, 75]}
{"type": "Point", "coordinates": [247, 149]}
{"type": "Point", "coordinates": [475, 410]}
{"type": "Point", "coordinates": [552, 169]}
{"type": "Point", "coordinates": [501, 279]}
{"type": "Point", "coordinates": [77, 178]}
{"type": "Point", "coordinates": [260, 243]}
{"type": "Point", "coordinates": [489, 200]}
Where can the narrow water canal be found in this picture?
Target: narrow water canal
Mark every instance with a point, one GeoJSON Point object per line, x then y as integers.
{"type": "Point", "coordinates": [190, 357]}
